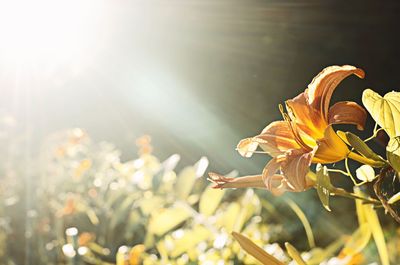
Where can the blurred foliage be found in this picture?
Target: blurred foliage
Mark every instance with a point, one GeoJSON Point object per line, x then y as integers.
{"type": "Point", "coordinates": [86, 206]}
{"type": "Point", "coordinates": [83, 205]}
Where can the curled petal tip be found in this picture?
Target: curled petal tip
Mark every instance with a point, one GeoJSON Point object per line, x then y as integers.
{"type": "Point", "coordinates": [246, 147]}
{"type": "Point", "coordinates": [360, 73]}
{"type": "Point", "coordinates": [320, 90]}
{"type": "Point", "coordinates": [218, 180]}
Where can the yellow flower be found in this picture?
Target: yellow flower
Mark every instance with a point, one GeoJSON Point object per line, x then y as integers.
{"type": "Point", "coordinates": [303, 137]}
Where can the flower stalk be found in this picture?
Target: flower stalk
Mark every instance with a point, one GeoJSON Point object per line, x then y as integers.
{"type": "Point", "coordinates": [363, 160]}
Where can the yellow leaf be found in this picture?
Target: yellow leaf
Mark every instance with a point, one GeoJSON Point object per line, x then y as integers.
{"type": "Point", "coordinates": [210, 200]}
{"type": "Point", "coordinates": [190, 239]}
{"type": "Point", "coordinates": [149, 205]}
{"type": "Point", "coordinates": [385, 110]}
{"type": "Point", "coordinates": [166, 219]}
{"type": "Point", "coordinates": [393, 153]}
{"type": "Point", "coordinates": [377, 233]}
{"type": "Point", "coordinates": [358, 240]}
{"type": "Point", "coordinates": [250, 204]}
{"type": "Point", "coordinates": [362, 219]}
{"type": "Point", "coordinates": [367, 215]}
{"type": "Point", "coordinates": [294, 254]}
{"type": "Point", "coordinates": [395, 198]}
{"type": "Point", "coordinates": [255, 251]}
{"type": "Point", "coordinates": [92, 216]}
{"type": "Point", "coordinates": [185, 182]}
{"type": "Point", "coordinates": [229, 217]}
{"type": "Point", "coordinates": [318, 255]}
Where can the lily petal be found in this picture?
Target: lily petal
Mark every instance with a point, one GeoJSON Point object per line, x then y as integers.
{"type": "Point", "coordinates": [278, 184]}
{"type": "Point", "coordinates": [277, 138]}
{"type": "Point", "coordinates": [308, 119]}
{"type": "Point", "coordinates": [320, 90]}
{"type": "Point", "coordinates": [347, 112]}
{"type": "Point", "coordinates": [295, 168]}
{"type": "Point", "coordinates": [331, 148]}
{"type": "Point", "coordinates": [271, 168]}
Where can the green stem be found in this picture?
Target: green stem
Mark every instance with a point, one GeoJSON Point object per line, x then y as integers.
{"type": "Point", "coordinates": [343, 193]}
{"type": "Point", "coordinates": [364, 160]}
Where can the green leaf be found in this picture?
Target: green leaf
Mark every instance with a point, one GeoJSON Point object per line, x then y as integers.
{"type": "Point", "coordinates": [324, 185]}
{"type": "Point", "coordinates": [393, 153]}
{"type": "Point", "coordinates": [361, 147]}
{"type": "Point", "coordinates": [365, 173]}
{"type": "Point", "coordinates": [384, 110]}
{"type": "Point", "coordinates": [122, 211]}
{"type": "Point", "coordinates": [294, 254]}
{"type": "Point", "coordinates": [210, 200]}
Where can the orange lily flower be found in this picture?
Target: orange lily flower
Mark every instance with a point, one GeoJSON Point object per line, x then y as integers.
{"type": "Point", "coordinates": [304, 136]}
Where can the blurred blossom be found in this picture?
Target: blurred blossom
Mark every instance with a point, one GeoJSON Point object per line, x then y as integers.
{"type": "Point", "coordinates": [144, 145]}
{"type": "Point", "coordinates": [68, 250]}
{"type": "Point", "coordinates": [276, 251]}
{"type": "Point", "coordinates": [72, 231]}
{"type": "Point", "coordinates": [220, 241]}
{"type": "Point", "coordinates": [171, 162]}
{"type": "Point", "coordinates": [85, 238]}
{"type": "Point", "coordinates": [83, 251]}
{"type": "Point", "coordinates": [69, 207]}
{"type": "Point", "coordinates": [178, 233]}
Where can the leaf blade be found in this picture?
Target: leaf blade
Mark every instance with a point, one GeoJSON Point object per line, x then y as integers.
{"type": "Point", "coordinates": [323, 186]}
{"type": "Point", "coordinates": [384, 110]}
{"type": "Point", "coordinates": [294, 254]}
{"type": "Point", "coordinates": [255, 251]}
